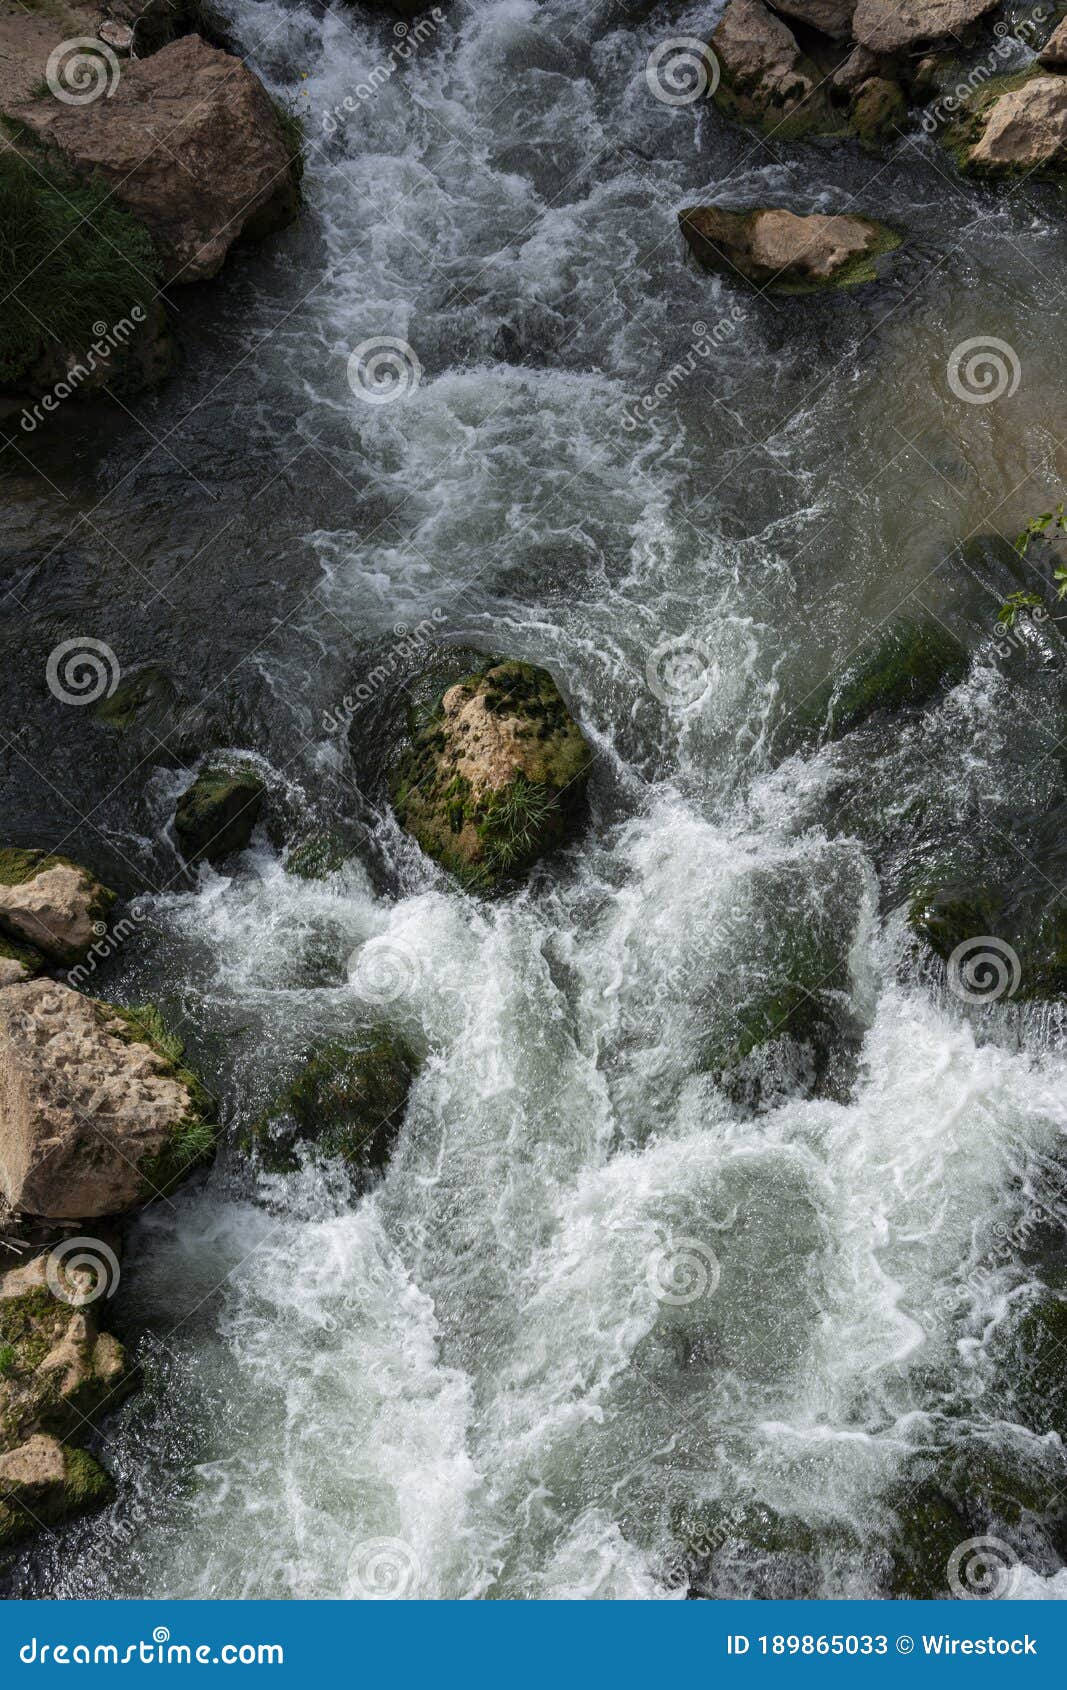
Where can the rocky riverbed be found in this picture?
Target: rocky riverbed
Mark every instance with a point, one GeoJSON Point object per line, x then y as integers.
{"type": "Point", "coordinates": [531, 947]}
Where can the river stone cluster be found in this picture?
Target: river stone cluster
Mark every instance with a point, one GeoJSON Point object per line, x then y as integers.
{"type": "Point", "coordinates": [495, 777]}
{"type": "Point", "coordinates": [803, 68]}
{"type": "Point", "coordinates": [57, 1370]}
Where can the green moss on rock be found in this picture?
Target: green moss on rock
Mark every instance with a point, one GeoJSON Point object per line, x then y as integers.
{"type": "Point", "coordinates": [906, 667]}
{"type": "Point", "coordinates": [71, 258]}
{"type": "Point", "coordinates": [29, 960]}
{"type": "Point", "coordinates": [215, 817]}
{"type": "Point", "coordinates": [494, 776]}
{"type": "Point", "coordinates": [318, 856]}
{"type": "Point", "coordinates": [193, 1139]}
{"type": "Point", "coordinates": [348, 1099]}
{"type": "Point", "coordinates": [83, 1488]}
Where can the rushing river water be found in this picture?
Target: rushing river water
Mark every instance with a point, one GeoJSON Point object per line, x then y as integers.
{"type": "Point", "coordinates": [594, 1308]}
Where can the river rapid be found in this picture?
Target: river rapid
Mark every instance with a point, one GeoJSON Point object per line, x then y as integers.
{"type": "Point", "coordinates": [596, 1312]}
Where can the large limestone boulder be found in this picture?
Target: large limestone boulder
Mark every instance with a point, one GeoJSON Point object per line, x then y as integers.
{"type": "Point", "coordinates": [779, 251]}
{"type": "Point", "coordinates": [190, 142]}
{"type": "Point", "coordinates": [831, 17]}
{"type": "Point", "coordinates": [50, 904]}
{"type": "Point", "coordinates": [495, 776]}
{"type": "Point", "coordinates": [898, 26]}
{"type": "Point", "coordinates": [1020, 130]}
{"type": "Point", "coordinates": [97, 1113]}
{"type": "Point", "coordinates": [765, 78]}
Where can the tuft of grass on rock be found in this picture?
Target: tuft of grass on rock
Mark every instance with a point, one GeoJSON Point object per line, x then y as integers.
{"type": "Point", "coordinates": [69, 258]}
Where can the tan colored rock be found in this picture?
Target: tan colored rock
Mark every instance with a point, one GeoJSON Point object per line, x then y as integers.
{"type": "Point", "coordinates": [51, 903]}
{"type": "Point", "coordinates": [1024, 129]}
{"type": "Point", "coordinates": [856, 69]}
{"type": "Point", "coordinates": [759, 57]}
{"type": "Point", "coordinates": [831, 17]}
{"type": "Point", "coordinates": [1054, 52]}
{"type": "Point", "coordinates": [61, 1369]}
{"type": "Point", "coordinates": [899, 26]}
{"type": "Point", "coordinates": [497, 777]}
{"type": "Point", "coordinates": [85, 1107]}
{"type": "Point", "coordinates": [43, 1482]}
{"type": "Point", "coordinates": [190, 143]}
{"type": "Point", "coordinates": [33, 1466]}
{"type": "Point", "coordinates": [778, 250]}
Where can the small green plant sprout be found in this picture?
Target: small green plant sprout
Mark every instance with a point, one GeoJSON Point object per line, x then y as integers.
{"type": "Point", "coordinates": [1038, 525]}
{"type": "Point", "coordinates": [1013, 608]}
{"type": "Point", "coordinates": [7, 1360]}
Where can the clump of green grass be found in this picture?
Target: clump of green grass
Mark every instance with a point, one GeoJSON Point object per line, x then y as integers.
{"type": "Point", "coordinates": [69, 258]}
{"type": "Point", "coordinates": [513, 822]}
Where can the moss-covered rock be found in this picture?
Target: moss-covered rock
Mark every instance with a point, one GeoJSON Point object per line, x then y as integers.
{"type": "Point", "coordinates": [944, 913]}
{"type": "Point", "coordinates": [942, 1501]}
{"type": "Point", "coordinates": [1013, 127]}
{"type": "Point", "coordinates": [319, 855]}
{"type": "Point", "coordinates": [75, 260]}
{"type": "Point", "coordinates": [215, 817]}
{"type": "Point", "coordinates": [18, 962]}
{"type": "Point", "coordinates": [57, 1372]}
{"type": "Point", "coordinates": [144, 698]}
{"type": "Point", "coordinates": [44, 1483]}
{"type": "Point", "coordinates": [792, 1033]}
{"type": "Point", "coordinates": [495, 776]}
{"type": "Point", "coordinates": [779, 252]}
{"type": "Point", "coordinates": [1038, 1366]}
{"type": "Point", "coordinates": [50, 903]}
{"type": "Point", "coordinates": [906, 667]}
{"type": "Point", "coordinates": [192, 1137]}
{"type": "Point", "coordinates": [879, 109]}
{"type": "Point", "coordinates": [348, 1100]}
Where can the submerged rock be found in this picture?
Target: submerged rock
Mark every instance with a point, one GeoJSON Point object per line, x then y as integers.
{"type": "Point", "coordinates": [97, 1113]}
{"type": "Point", "coordinates": [898, 26]}
{"type": "Point", "coordinates": [496, 776]}
{"type": "Point", "coordinates": [907, 666]}
{"type": "Point", "coordinates": [51, 904]}
{"type": "Point", "coordinates": [783, 253]}
{"type": "Point", "coordinates": [216, 815]}
{"type": "Point", "coordinates": [317, 856]}
{"type": "Point", "coordinates": [348, 1100]}
{"type": "Point", "coordinates": [227, 169]}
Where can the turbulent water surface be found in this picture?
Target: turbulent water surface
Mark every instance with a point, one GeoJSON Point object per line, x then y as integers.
{"type": "Point", "coordinates": [596, 1312]}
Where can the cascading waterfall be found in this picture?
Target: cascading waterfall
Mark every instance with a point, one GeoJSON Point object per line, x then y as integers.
{"type": "Point", "coordinates": [592, 1304]}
